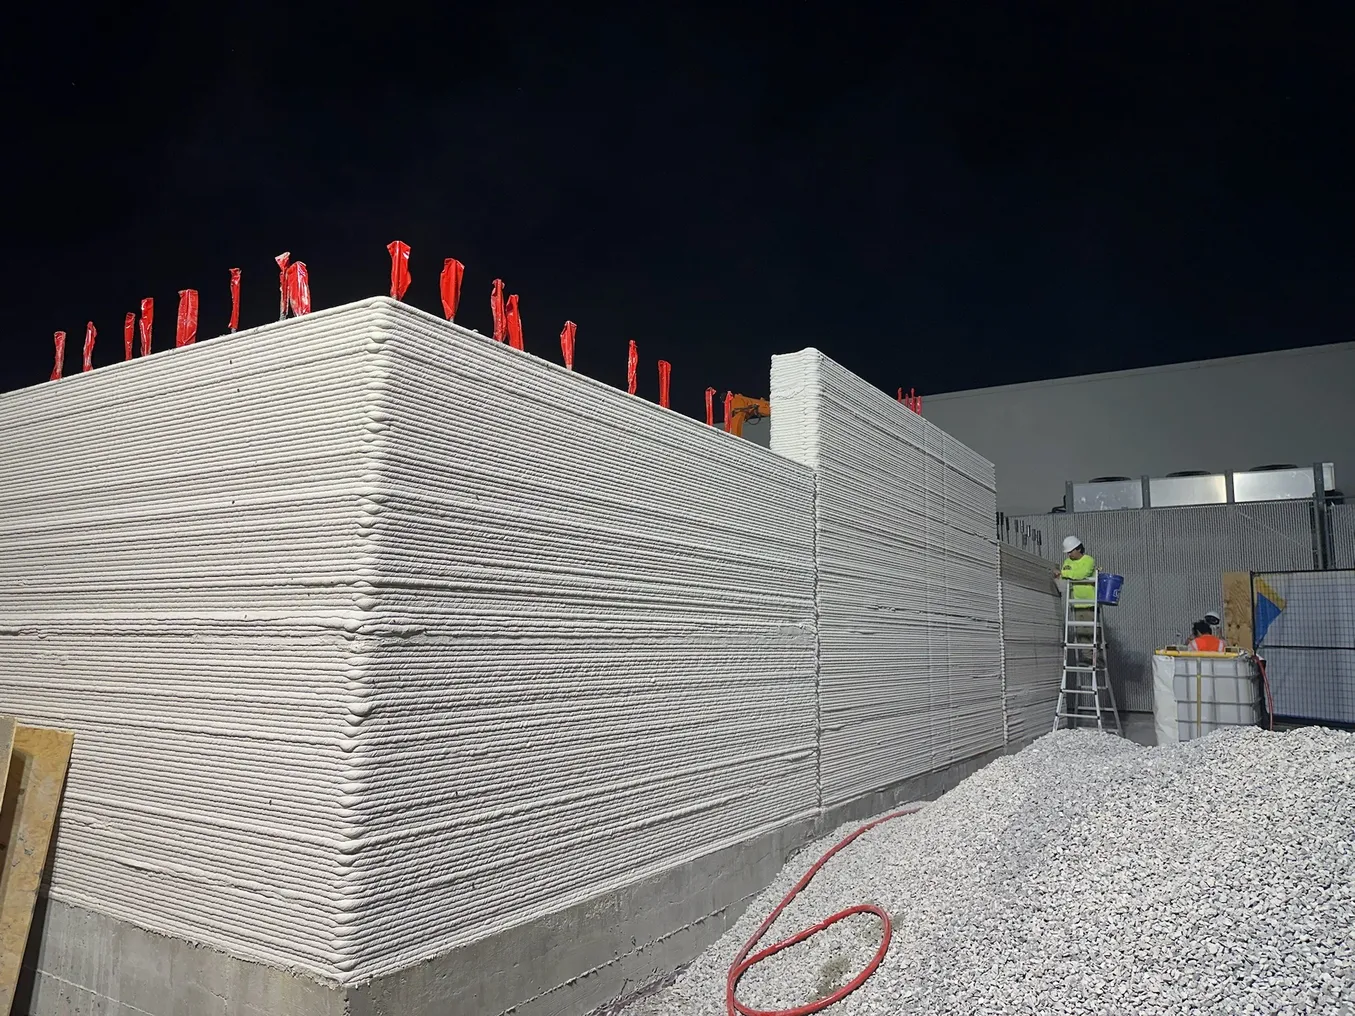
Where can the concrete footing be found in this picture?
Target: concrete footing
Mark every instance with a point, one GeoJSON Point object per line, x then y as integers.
{"type": "Point", "coordinates": [570, 963]}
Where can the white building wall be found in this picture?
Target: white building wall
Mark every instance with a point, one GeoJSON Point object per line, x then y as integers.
{"type": "Point", "coordinates": [1215, 415]}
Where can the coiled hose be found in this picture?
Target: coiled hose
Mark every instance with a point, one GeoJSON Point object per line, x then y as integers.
{"type": "Point", "coordinates": [743, 962]}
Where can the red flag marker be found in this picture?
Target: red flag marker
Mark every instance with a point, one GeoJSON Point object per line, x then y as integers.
{"type": "Point", "coordinates": [710, 407]}
{"type": "Point", "coordinates": [128, 329]}
{"type": "Point", "coordinates": [496, 309]}
{"type": "Point", "coordinates": [632, 362]}
{"type": "Point", "coordinates": [59, 341]}
{"type": "Point", "coordinates": [450, 286]}
{"type": "Point", "coordinates": [665, 373]}
{"type": "Point", "coordinates": [567, 343]}
{"type": "Point", "coordinates": [186, 329]}
{"type": "Point", "coordinates": [513, 318]}
{"type": "Point", "coordinates": [90, 334]}
{"type": "Point", "coordinates": [282, 260]}
{"type": "Point", "coordinates": [298, 289]}
{"type": "Point", "coordinates": [729, 412]}
{"type": "Point", "coordinates": [234, 326]}
{"type": "Point", "coordinates": [400, 279]}
{"type": "Point", "coordinates": [147, 323]}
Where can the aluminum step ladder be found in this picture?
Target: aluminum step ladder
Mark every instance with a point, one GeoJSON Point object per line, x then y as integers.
{"type": "Point", "coordinates": [1085, 694]}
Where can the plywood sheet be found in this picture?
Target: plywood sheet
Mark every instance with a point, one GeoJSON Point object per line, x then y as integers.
{"type": "Point", "coordinates": [37, 772]}
{"type": "Point", "coordinates": [7, 725]}
{"type": "Point", "coordinates": [1237, 609]}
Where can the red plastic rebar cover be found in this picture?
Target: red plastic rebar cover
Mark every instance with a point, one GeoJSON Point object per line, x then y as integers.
{"type": "Point", "coordinates": [400, 278]}
{"type": "Point", "coordinates": [665, 373]}
{"type": "Point", "coordinates": [59, 342]}
{"type": "Point", "coordinates": [900, 394]}
{"type": "Point", "coordinates": [186, 328]}
{"type": "Point", "coordinates": [449, 285]}
{"type": "Point", "coordinates": [282, 259]}
{"type": "Point", "coordinates": [632, 363]}
{"type": "Point", "coordinates": [147, 323]}
{"type": "Point", "coordinates": [91, 333]}
{"type": "Point", "coordinates": [710, 407]}
{"type": "Point", "coordinates": [234, 325]}
{"type": "Point", "coordinates": [729, 412]}
{"type": "Point", "coordinates": [496, 309]}
{"type": "Point", "coordinates": [298, 289]}
{"type": "Point", "coordinates": [567, 343]}
{"type": "Point", "coordinates": [513, 319]}
{"type": "Point", "coordinates": [128, 330]}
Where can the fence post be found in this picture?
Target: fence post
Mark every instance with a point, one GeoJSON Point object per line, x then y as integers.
{"type": "Point", "coordinates": [1322, 542]}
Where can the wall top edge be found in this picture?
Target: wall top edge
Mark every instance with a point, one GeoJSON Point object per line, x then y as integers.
{"type": "Point", "coordinates": [1327, 349]}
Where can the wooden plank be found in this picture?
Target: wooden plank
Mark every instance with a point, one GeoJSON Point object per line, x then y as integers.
{"type": "Point", "coordinates": [1237, 610]}
{"type": "Point", "coordinates": [37, 772]}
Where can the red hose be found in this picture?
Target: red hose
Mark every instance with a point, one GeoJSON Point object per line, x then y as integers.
{"type": "Point", "coordinates": [743, 962]}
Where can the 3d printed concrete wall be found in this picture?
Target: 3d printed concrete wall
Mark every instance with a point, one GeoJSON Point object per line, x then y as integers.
{"type": "Point", "coordinates": [910, 655]}
{"type": "Point", "coordinates": [569, 697]}
{"type": "Point", "coordinates": [380, 638]}
{"type": "Point", "coordinates": [1032, 643]}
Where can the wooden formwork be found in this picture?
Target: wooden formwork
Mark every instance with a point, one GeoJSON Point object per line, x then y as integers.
{"type": "Point", "coordinates": [33, 762]}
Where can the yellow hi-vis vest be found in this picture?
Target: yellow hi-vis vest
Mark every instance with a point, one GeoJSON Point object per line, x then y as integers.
{"type": "Point", "coordinates": [1083, 568]}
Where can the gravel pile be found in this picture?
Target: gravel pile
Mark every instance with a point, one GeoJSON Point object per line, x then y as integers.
{"type": "Point", "coordinates": [1083, 875]}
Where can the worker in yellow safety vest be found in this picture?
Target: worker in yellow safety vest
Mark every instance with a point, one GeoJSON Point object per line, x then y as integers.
{"type": "Point", "coordinates": [1078, 564]}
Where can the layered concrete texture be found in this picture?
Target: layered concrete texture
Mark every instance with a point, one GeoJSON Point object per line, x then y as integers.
{"type": "Point", "coordinates": [407, 678]}
{"type": "Point", "coordinates": [910, 651]}
{"type": "Point", "coordinates": [1032, 643]}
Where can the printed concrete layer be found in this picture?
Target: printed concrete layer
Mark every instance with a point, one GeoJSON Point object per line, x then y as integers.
{"type": "Point", "coordinates": [179, 585]}
{"type": "Point", "coordinates": [1032, 643]}
{"type": "Point", "coordinates": [608, 948]}
{"type": "Point", "coordinates": [590, 668]}
{"type": "Point", "coordinates": [910, 655]}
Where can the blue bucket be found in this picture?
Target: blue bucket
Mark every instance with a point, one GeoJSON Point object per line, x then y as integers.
{"type": "Point", "coordinates": [1108, 589]}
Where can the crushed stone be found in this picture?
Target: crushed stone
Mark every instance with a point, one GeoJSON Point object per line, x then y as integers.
{"type": "Point", "coordinates": [1082, 875]}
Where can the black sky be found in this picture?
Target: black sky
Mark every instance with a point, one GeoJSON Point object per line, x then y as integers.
{"type": "Point", "coordinates": [940, 195]}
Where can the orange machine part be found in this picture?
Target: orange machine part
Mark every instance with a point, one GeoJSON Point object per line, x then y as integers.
{"type": "Point", "coordinates": [743, 408]}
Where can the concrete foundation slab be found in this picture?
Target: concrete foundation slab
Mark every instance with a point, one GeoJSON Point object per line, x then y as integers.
{"type": "Point", "coordinates": [580, 960]}
{"type": "Point", "coordinates": [81, 963]}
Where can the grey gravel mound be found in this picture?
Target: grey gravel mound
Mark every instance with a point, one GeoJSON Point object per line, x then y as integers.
{"type": "Point", "coordinates": [1083, 875]}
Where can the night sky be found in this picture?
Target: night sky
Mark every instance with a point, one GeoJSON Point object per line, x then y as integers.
{"type": "Point", "coordinates": [938, 195]}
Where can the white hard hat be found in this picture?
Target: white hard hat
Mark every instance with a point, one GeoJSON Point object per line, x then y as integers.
{"type": "Point", "coordinates": [1214, 614]}
{"type": "Point", "coordinates": [1070, 544]}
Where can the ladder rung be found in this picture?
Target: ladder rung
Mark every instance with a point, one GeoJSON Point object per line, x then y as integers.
{"type": "Point", "coordinates": [1079, 691]}
{"type": "Point", "coordinates": [1083, 670]}
{"type": "Point", "coordinates": [1082, 624]}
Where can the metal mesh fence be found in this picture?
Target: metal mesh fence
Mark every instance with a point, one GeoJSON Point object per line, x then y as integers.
{"type": "Point", "coordinates": [1341, 518]}
{"type": "Point", "coordinates": [1304, 623]}
{"type": "Point", "coordinates": [1172, 560]}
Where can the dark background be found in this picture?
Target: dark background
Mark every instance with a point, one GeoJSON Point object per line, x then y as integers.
{"type": "Point", "coordinates": [940, 195]}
